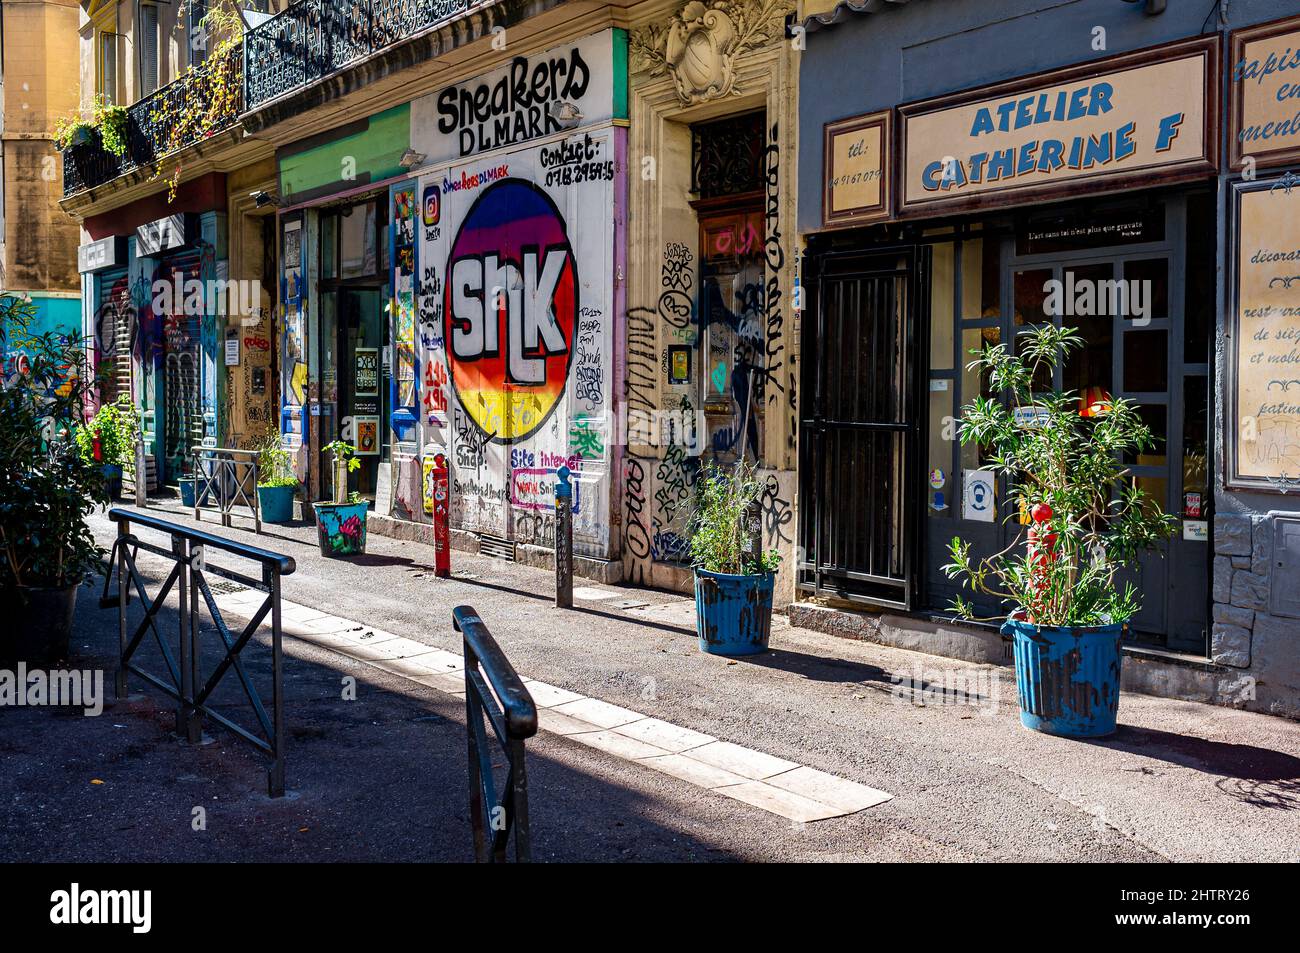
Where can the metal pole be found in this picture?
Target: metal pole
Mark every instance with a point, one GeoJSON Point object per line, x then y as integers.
{"type": "Point", "coordinates": [180, 551]}
{"type": "Point", "coordinates": [123, 530]}
{"type": "Point", "coordinates": [193, 727]}
{"type": "Point", "coordinates": [275, 775]}
{"type": "Point", "coordinates": [563, 539]}
{"type": "Point", "coordinates": [141, 474]}
{"type": "Point", "coordinates": [441, 518]}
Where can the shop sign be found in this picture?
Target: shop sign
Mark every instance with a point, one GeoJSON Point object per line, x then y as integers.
{"type": "Point", "coordinates": [174, 231]}
{"type": "Point", "coordinates": [1264, 94]}
{"type": "Point", "coordinates": [1264, 332]}
{"type": "Point", "coordinates": [528, 98]}
{"type": "Point", "coordinates": [1124, 122]}
{"type": "Point", "coordinates": [104, 253]}
{"type": "Point", "coordinates": [856, 184]}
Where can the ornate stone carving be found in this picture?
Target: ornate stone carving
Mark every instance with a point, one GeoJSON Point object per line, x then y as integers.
{"type": "Point", "coordinates": [700, 46]}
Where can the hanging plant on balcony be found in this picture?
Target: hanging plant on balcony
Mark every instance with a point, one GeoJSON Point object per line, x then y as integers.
{"type": "Point", "coordinates": [205, 99]}
{"type": "Point", "coordinates": [112, 124]}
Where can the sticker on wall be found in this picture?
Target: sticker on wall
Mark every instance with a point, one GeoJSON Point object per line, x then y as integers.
{"type": "Point", "coordinates": [937, 479]}
{"type": "Point", "coordinates": [977, 497]}
{"type": "Point", "coordinates": [1197, 530]}
{"type": "Point", "coordinates": [510, 309]}
{"type": "Point", "coordinates": [679, 364]}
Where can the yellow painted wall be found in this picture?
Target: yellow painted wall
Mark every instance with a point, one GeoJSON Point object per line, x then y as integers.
{"type": "Point", "coordinates": [41, 85]}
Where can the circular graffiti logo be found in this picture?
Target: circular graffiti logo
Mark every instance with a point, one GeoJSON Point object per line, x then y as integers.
{"type": "Point", "coordinates": [511, 306]}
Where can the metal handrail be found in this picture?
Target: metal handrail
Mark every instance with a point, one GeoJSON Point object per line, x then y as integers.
{"type": "Point", "coordinates": [221, 465]}
{"type": "Point", "coordinates": [509, 709]}
{"type": "Point", "coordinates": [183, 680]}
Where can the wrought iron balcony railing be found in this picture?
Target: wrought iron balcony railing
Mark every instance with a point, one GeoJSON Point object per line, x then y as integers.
{"type": "Point", "coordinates": [312, 39]}
{"type": "Point", "coordinates": [151, 124]}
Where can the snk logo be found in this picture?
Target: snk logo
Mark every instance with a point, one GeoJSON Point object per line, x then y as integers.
{"type": "Point", "coordinates": [75, 906]}
{"type": "Point", "coordinates": [484, 287]}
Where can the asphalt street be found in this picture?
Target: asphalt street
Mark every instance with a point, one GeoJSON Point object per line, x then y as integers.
{"type": "Point", "coordinates": [383, 777]}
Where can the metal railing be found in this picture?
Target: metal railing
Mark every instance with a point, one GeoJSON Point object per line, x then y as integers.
{"type": "Point", "coordinates": [312, 39]}
{"type": "Point", "coordinates": [184, 678]}
{"type": "Point", "coordinates": [150, 125]}
{"type": "Point", "coordinates": [218, 477]}
{"type": "Point", "coordinates": [510, 710]}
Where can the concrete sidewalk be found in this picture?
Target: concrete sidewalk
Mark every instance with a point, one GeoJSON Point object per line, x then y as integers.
{"type": "Point", "coordinates": [1180, 781]}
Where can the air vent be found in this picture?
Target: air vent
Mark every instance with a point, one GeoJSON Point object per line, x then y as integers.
{"type": "Point", "coordinates": [496, 547]}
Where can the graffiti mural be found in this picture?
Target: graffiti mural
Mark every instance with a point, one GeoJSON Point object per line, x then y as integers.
{"type": "Point", "coordinates": [516, 335]}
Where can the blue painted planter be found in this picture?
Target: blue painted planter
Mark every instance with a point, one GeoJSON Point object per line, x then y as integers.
{"type": "Point", "coordinates": [733, 614]}
{"type": "Point", "coordinates": [186, 485]}
{"type": "Point", "coordinates": [342, 528]}
{"type": "Point", "coordinates": [275, 503]}
{"type": "Point", "coordinates": [1067, 678]}
{"type": "Point", "coordinates": [113, 478]}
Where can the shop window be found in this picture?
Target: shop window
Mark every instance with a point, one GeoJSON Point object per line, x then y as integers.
{"type": "Point", "coordinates": [1031, 296]}
{"type": "Point", "coordinates": [1153, 276]}
{"type": "Point", "coordinates": [1156, 417]}
{"type": "Point", "coordinates": [939, 477]}
{"type": "Point", "coordinates": [942, 262]}
{"type": "Point", "coordinates": [1088, 368]}
{"type": "Point", "coordinates": [1196, 457]}
{"type": "Point", "coordinates": [1200, 297]}
{"type": "Point", "coordinates": [981, 278]}
{"type": "Point", "coordinates": [1146, 361]}
{"type": "Point", "coordinates": [358, 247]}
{"type": "Point", "coordinates": [974, 383]}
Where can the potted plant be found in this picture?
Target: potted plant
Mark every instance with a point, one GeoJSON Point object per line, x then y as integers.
{"type": "Point", "coordinates": [108, 440]}
{"type": "Point", "coordinates": [341, 524]}
{"type": "Point", "coordinates": [1088, 522]}
{"type": "Point", "coordinates": [734, 578]}
{"type": "Point", "coordinates": [47, 488]}
{"type": "Point", "coordinates": [276, 481]}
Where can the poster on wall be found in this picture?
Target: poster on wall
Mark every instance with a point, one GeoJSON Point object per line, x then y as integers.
{"type": "Point", "coordinates": [517, 251]}
{"type": "Point", "coordinates": [1264, 389]}
{"type": "Point", "coordinates": [403, 308]}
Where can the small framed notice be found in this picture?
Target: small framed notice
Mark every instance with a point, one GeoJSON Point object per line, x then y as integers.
{"type": "Point", "coordinates": [855, 158]}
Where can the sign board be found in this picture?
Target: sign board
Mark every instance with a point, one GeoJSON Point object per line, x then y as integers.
{"type": "Point", "coordinates": [531, 97]}
{"type": "Point", "coordinates": [366, 429]}
{"type": "Point", "coordinates": [164, 234]}
{"type": "Point", "coordinates": [1128, 121]}
{"type": "Point", "coordinates": [1264, 335]}
{"type": "Point", "coordinates": [856, 184]}
{"type": "Point", "coordinates": [1264, 94]}
{"type": "Point", "coordinates": [978, 496]}
{"type": "Point", "coordinates": [366, 381]}
{"type": "Point", "coordinates": [104, 253]}
{"type": "Point", "coordinates": [232, 347]}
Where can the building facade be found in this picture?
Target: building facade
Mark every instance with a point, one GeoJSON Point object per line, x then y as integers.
{"type": "Point", "coordinates": [38, 86]}
{"type": "Point", "coordinates": [949, 183]}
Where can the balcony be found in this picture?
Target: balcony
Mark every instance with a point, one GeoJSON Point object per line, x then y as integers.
{"type": "Point", "coordinates": [151, 124]}
{"type": "Point", "coordinates": [313, 39]}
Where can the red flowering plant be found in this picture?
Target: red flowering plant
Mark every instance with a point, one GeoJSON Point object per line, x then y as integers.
{"type": "Point", "coordinates": [1066, 471]}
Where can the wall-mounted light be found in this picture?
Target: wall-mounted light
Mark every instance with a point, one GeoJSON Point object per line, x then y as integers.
{"type": "Point", "coordinates": [264, 198]}
{"type": "Point", "coordinates": [411, 159]}
{"type": "Point", "coordinates": [565, 114]}
{"type": "Point", "coordinates": [1152, 6]}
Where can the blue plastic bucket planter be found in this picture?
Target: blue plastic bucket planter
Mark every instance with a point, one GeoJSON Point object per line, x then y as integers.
{"type": "Point", "coordinates": [342, 528]}
{"type": "Point", "coordinates": [186, 485]}
{"type": "Point", "coordinates": [113, 478]}
{"type": "Point", "coordinates": [275, 503]}
{"type": "Point", "coordinates": [733, 614]}
{"type": "Point", "coordinates": [1067, 678]}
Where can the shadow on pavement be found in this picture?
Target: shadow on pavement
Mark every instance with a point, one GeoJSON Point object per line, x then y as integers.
{"type": "Point", "coordinates": [379, 778]}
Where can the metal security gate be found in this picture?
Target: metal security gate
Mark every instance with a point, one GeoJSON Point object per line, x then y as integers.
{"type": "Point", "coordinates": [858, 444]}
{"type": "Point", "coordinates": [115, 327]}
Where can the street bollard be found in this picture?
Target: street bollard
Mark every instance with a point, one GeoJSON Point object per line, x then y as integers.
{"type": "Point", "coordinates": [563, 539]}
{"type": "Point", "coordinates": [141, 474]}
{"type": "Point", "coordinates": [441, 518]}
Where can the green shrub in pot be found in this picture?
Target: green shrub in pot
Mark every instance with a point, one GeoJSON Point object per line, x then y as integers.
{"type": "Point", "coordinates": [47, 486]}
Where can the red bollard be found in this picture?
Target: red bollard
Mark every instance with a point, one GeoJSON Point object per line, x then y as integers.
{"type": "Point", "coordinates": [441, 518]}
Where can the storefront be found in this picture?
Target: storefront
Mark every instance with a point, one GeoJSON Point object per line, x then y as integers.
{"type": "Point", "coordinates": [945, 210]}
{"type": "Point", "coordinates": [335, 353]}
{"type": "Point", "coordinates": [155, 303]}
{"type": "Point", "coordinates": [507, 278]}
